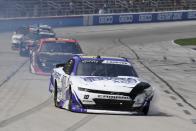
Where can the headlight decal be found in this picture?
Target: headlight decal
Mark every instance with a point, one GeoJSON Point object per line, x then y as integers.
{"type": "Point", "coordinates": [82, 89]}
{"type": "Point", "coordinates": [76, 99]}
{"type": "Point", "coordinates": [138, 89]}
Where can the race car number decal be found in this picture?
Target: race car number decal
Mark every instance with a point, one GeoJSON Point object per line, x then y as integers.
{"type": "Point", "coordinates": [114, 97]}
{"type": "Point", "coordinates": [90, 61]}
{"type": "Point", "coordinates": [116, 62]}
{"type": "Point", "coordinates": [57, 75]}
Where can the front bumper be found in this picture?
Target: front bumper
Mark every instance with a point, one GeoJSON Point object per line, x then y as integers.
{"type": "Point", "coordinates": [15, 46]}
{"type": "Point", "coordinates": [108, 106]}
{"type": "Point", "coordinates": [111, 112]}
{"type": "Point", "coordinates": [36, 70]}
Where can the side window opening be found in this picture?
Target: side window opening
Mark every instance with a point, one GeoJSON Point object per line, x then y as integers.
{"type": "Point", "coordinates": [68, 68]}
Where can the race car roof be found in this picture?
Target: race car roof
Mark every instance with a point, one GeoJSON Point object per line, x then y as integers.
{"type": "Point", "coordinates": [58, 40]}
{"type": "Point", "coordinates": [84, 57]}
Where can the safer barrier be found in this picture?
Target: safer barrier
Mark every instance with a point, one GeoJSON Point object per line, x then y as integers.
{"type": "Point", "coordinates": [142, 17]}
{"type": "Point", "coordinates": [104, 19]}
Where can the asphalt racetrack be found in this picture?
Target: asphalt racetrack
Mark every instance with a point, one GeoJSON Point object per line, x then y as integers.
{"type": "Point", "coordinates": [26, 105]}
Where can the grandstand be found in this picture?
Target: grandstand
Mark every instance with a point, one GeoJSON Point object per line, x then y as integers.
{"type": "Point", "coordinates": [36, 8]}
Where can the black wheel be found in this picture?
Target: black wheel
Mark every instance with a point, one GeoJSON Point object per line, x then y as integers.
{"type": "Point", "coordinates": [56, 103]}
{"type": "Point", "coordinates": [70, 100]}
{"type": "Point", "coordinates": [13, 48]}
{"type": "Point", "coordinates": [145, 109]}
{"type": "Point", "coordinates": [30, 68]}
{"type": "Point", "coordinates": [22, 53]}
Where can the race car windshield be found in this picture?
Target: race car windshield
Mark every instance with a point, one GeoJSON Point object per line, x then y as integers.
{"type": "Point", "coordinates": [42, 36]}
{"type": "Point", "coordinates": [33, 36]}
{"type": "Point", "coordinates": [61, 48]}
{"type": "Point", "coordinates": [22, 30]}
{"type": "Point", "coordinates": [46, 30]}
{"type": "Point", "coordinates": [107, 70]}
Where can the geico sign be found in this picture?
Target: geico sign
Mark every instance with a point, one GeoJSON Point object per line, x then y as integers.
{"type": "Point", "coordinates": [105, 19]}
{"type": "Point", "coordinates": [145, 17]}
{"type": "Point", "coordinates": [191, 15]}
{"type": "Point", "coordinates": [125, 18]}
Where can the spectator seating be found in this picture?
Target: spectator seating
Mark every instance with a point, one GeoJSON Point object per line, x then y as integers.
{"type": "Point", "coordinates": [36, 8]}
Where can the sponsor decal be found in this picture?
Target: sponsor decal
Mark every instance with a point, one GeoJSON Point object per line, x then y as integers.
{"type": "Point", "coordinates": [177, 16]}
{"type": "Point", "coordinates": [169, 16]}
{"type": "Point", "coordinates": [125, 18]}
{"type": "Point", "coordinates": [114, 97]}
{"type": "Point", "coordinates": [86, 96]}
{"type": "Point", "coordinates": [105, 19]}
{"type": "Point", "coordinates": [90, 61]}
{"type": "Point", "coordinates": [107, 62]}
{"type": "Point", "coordinates": [116, 62]}
{"type": "Point", "coordinates": [145, 17]}
{"type": "Point", "coordinates": [115, 80]}
{"type": "Point", "coordinates": [191, 15]}
{"type": "Point", "coordinates": [87, 101]}
{"type": "Point", "coordinates": [165, 16]}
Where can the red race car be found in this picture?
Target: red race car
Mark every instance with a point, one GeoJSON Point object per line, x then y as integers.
{"type": "Point", "coordinates": [52, 51]}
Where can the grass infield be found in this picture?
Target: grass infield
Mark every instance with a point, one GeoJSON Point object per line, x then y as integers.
{"type": "Point", "coordinates": [184, 42]}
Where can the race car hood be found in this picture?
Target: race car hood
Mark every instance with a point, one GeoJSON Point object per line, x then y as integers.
{"type": "Point", "coordinates": [54, 57]}
{"type": "Point", "coordinates": [115, 84]}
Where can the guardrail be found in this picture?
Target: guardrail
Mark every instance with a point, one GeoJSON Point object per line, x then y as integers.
{"type": "Point", "coordinates": [103, 19]}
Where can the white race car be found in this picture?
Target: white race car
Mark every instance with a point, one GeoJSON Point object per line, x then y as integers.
{"type": "Point", "coordinates": [97, 84]}
{"type": "Point", "coordinates": [17, 37]}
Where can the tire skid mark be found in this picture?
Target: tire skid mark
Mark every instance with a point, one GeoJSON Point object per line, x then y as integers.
{"type": "Point", "coordinates": [159, 77]}
{"type": "Point", "coordinates": [166, 91]}
{"type": "Point", "coordinates": [16, 99]}
{"type": "Point", "coordinates": [103, 49]}
{"type": "Point", "coordinates": [26, 113]}
{"type": "Point", "coordinates": [9, 99]}
{"type": "Point", "coordinates": [9, 92]}
{"type": "Point", "coordinates": [187, 112]}
{"type": "Point", "coordinates": [175, 64]}
{"type": "Point", "coordinates": [81, 123]}
{"type": "Point", "coordinates": [13, 73]}
{"type": "Point", "coordinates": [173, 98]}
{"type": "Point", "coordinates": [180, 104]}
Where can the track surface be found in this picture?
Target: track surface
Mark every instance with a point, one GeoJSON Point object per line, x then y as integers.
{"type": "Point", "coordinates": [26, 105]}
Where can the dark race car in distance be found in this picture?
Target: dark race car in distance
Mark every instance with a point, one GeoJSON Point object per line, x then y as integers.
{"type": "Point", "coordinates": [30, 41]}
{"type": "Point", "coordinates": [52, 51]}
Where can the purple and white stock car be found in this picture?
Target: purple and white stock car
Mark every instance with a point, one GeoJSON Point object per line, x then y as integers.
{"type": "Point", "coordinates": [98, 84]}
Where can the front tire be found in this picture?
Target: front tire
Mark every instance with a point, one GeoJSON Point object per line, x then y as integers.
{"type": "Point", "coordinates": [145, 109]}
{"type": "Point", "coordinates": [21, 53]}
{"type": "Point", "coordinates": [56, 103]}
{"type": "Point", "coordinates": [70, 100]}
